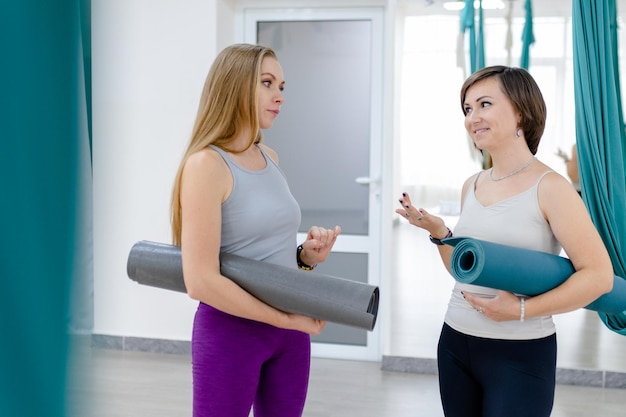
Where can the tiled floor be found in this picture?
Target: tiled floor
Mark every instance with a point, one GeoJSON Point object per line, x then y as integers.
{"type": "Point", "coordinates": [115, 383]}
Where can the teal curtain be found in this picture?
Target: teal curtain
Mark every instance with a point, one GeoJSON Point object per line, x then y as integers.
{"type": "Point", "coordinates": [480, 41]}
{"type": "Point", "coordinates": [600, 137]}
{"type": "Point", "coordinates": [80, 319]}
{"type": "Point", "coordinates": [85, 34]}
{"type": "Point", "coordinates": [38, 165]}
{"type": "Point", "coordinates": [528, 37]}
{"type": "Point", "coordinates": [468, 25]}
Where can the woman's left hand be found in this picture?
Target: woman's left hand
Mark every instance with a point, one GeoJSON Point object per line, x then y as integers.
{"type": "Point", "coordinates": [505, 306]}
{"type": "Point", "coordinates": [318, 244]}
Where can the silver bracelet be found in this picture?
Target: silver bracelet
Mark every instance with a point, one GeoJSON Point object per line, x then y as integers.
{"type": "Point", "coordinates": [522, 309]}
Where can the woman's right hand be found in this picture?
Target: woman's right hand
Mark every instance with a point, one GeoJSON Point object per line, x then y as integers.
{"type": "Point", "coordinates": [420, 217]}
{"type": "Point", "coordinates": [305, 324]}
{"type": "Point", "coordinates": [434, 225]}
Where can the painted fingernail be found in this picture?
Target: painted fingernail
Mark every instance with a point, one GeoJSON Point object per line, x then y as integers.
{"type": "Point", "coordinates": [403, 194]}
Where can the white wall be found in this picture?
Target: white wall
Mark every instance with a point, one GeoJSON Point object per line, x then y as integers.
{"type": "Point", "coordinates": [150, 59]}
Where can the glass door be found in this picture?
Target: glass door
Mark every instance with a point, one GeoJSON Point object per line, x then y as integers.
{"type": "Point", "coordinates": [329, 135]}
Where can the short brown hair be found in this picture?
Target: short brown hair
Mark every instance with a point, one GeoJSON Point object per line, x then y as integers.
{"type": "Point", "coordinates": [523, 92]}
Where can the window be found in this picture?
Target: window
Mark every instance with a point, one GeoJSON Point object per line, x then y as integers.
{"type": "Point", "coordinates": [435, 153]}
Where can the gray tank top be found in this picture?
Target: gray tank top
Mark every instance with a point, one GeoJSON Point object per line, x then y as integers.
{"type": "Point", "coordinates": [515, 221]}
{"type": "Point", "coordinates": [260, 218]}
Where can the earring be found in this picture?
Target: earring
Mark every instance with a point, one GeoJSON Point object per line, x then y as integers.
{"type": "Point", "coordinates": [518, 132]}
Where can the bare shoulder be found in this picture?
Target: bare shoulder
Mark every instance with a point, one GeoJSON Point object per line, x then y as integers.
{"type": "Point", "coordinates": [205, 161]}
{"type": "Point", "coordinates": [269, 151]}
{"type": "Point", "coordinates": [557, 195]}
{"type": "Point", "coordinates": [552, 182]}
{"type": "Point", "coordinates": [206, 170]}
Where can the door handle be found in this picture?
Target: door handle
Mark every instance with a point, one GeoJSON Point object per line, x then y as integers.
{"type": "Point", "coordinates": [366, 180]}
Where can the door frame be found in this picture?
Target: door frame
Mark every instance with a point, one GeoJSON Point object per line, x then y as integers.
{"type": "Point", "coordinates": [372, 243]}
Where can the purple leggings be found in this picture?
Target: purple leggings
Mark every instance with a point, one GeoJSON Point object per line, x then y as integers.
{"type": "Point", "coordinates": [238, 363]}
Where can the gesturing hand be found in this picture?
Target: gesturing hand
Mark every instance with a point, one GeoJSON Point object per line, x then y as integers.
{"type": "Point", "coordinates": [419, 216]}
{"type": "Point", "coordinates": [318, 244]}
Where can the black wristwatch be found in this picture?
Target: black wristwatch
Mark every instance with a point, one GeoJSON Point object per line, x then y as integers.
{"type": "Point", "coordinates": [439, 241]}
{"type": "Point", "coordinates": [301, 264]}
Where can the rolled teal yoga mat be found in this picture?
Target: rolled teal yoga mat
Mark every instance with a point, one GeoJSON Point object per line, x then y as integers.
{"type": "Point", "coordinates": [288, 289]}
{"type": "Point", "coordinates": [521, 271]}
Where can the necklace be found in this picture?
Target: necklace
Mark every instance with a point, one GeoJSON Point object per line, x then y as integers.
{"type": "Point", "coordinates": [517, 171]}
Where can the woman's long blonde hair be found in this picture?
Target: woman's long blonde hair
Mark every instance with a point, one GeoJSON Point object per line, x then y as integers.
{"type": "Point", "coordinates": [228, 107]}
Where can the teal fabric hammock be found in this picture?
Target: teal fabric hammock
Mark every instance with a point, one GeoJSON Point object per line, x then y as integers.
{"type": "Point", "coordinates": [600, 137]}
{"type": "Point", "coordinates": [477, 35]}
{"type": "Point", "coordinates": [528, 37]}
{"type": "Point", "coordinates": [476, 45]}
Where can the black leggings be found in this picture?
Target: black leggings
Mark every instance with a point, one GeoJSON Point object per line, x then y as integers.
{"type": "Point", "coordinates": [481, 377]}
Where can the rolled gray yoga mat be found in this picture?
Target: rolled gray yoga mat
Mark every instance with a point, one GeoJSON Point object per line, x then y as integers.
{"type": "Point", "coordinates": [522, 271]}
{"type": "Point", "coordinates": [288, 289]}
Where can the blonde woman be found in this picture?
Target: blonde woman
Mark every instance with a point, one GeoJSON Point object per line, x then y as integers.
{"type": "Point", "coordinates": [230, 196]}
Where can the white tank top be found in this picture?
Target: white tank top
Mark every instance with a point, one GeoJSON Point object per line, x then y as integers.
{"type": "Point", "coordinates": [515, 221]}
